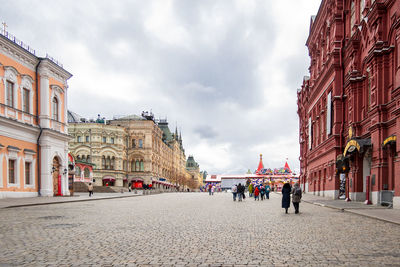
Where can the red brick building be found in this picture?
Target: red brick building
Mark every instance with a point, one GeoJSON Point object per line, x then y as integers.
{"type": "Point", "coordinates": [349, 106]}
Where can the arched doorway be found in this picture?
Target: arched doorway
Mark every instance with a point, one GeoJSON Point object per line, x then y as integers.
{"type": "Point", "coordinates": [56, 173]}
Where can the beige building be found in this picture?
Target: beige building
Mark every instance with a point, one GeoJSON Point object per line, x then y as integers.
{"type": "Point", "coordinates": [129, 149]}
{"type": "Point", "coordinates": [193, 169]}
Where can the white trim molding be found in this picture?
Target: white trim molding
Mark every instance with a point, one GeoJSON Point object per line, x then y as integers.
{"type": "Point", "coordinates": [27, 83]}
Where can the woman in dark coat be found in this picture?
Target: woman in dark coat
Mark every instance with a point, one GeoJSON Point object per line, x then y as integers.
{"type": "Point", "coordinates": [286, 190]}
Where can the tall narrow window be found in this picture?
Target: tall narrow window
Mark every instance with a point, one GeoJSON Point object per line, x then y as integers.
{"type": "Point", "coordinates": [25, 106]}
{"type": "Point", "coordinates": [132, 166]}
{"type": "Point", "coordinates": [103, 162]}
{"type": "Point", "coordinates": [55, 109]}
{"type": "Point", "coordinates": [11, 171]}
{"type": "Point", "coordinates": [108, 163]}
{"type": "Point", "coordinates": [329, 114]}
{"type": "Point", "coordinates": [140, 143]}
{"type": "Point", "coordinates": [369, 88]}
{"type": "Point", "coordinates": [133, 143]}
{"type": "Point", "coordinates": [88, 159]}
{"type": "Point", "coordinates": [141, 166]}
{"type": "Point", "coordinates": [79, 139]}
{"type": "Point", "coordinates": [104, 139]}
{"type": "Point", "coordinates": [112, 140]}
{"type": "Point", "coordinates": [137, 166]}
{"type": "Point", "coordinates": [27, 173]}
{"type": "Point", "coordinates": [352, 15]}
{"type": "Point", "coordinates": [112, 163]}
{"type": "Point", "coordinates": [87, 138]}
{"type": "Point", "coordinates": [10, 94]}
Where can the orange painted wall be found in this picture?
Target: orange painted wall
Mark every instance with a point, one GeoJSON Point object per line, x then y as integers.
{"type": "Point", "coordinates": [22, 70]}
{"type": "Point", "coordinates": [5, 141]}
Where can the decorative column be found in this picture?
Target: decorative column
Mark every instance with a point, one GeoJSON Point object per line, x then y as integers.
{"type": "Point", "coordinates": [45, 101]}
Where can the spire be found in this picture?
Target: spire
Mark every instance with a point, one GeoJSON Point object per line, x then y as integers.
{"type": "Point", "coordinates": [176, 133]}
{"type": "Point", "coordinates": [287, 168]}
{"type": "Point", "coordinates": [260, 165]}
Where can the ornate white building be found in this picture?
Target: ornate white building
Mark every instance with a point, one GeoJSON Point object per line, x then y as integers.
{"type": "Point", "coordinates": [33, 122]}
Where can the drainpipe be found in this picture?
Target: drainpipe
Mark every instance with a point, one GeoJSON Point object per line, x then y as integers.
{"type": "Point", "coordinates": [37, 122]}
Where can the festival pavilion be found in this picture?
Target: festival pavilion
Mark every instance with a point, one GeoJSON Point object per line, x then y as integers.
{"type": "Point", "coordinates": [274, 177]}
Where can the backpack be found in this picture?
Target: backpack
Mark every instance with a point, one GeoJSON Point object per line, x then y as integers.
{"type": "Point", "coordinates": [297, 192]}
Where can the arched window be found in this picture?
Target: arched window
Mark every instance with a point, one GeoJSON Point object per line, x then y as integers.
{"type": "Point", "coordinates": [108, 162]}
{"type": "Point", "coordinates": [86, 173]}
{"type": "Point", "coordinates": [103, 162]}
{"type": "Point", "coordinates": [137, 166]}
{"type": "Point", "coordinates": [141, 166]}
{"type": "Point", "coordinates": [83, 158]}
{"type": "Point", "coordinates": [55, 109]}
{"type": "Point", "coordinates": [133, 143]}
{"type": "Point", "coordinates": [140, 143]}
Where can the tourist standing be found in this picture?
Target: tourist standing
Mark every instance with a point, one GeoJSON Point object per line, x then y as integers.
{"type": "Point", "coordinates": [234, 192]}
{"type": "Point", "coordinates": [90, 189]}
{"type": "Point", "coordinates": [296, 192]}
{"type": "Point", "coordinates": [240, 191]}
{"type": "Point", "coordinates": [209, 189]}
{"type": "Point", "coordinates": [286, 190]}
{"type": "Point", "coordinates": [256, 193]}
{"type": "Point", "coordinates": [267, 190]}
{"type": "Point", "coordinates": [262, 192]}
{"type": "Point", "coordinates": [251, 189]}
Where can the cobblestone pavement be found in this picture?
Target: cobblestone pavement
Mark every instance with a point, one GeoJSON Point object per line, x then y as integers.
{"type": "Point", "coordinates": [193, 229]}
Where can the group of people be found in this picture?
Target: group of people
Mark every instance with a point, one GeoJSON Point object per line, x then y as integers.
{"type": "Point", "coordinates": [238, 192]}
{"type": "Point", "coordinates": [259, 191]}
{"type": "Point", "coordinates": [296, 193]}
{"type": "Point", "coordinates": [262, 191]}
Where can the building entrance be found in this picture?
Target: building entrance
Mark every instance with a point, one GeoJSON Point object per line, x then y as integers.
{"type": "Point", "coordinates": [56, 173]}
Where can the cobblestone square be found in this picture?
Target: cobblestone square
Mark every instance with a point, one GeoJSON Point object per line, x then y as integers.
{"type": "Point", "coordinates": [193, 229]}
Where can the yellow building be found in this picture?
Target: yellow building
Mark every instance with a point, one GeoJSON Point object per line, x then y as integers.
{"type": "Point", "coordinates": [129, 149]}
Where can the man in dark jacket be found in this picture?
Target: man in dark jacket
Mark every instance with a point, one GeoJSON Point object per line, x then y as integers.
{"type": "Point", "coordinates": [240, 191]}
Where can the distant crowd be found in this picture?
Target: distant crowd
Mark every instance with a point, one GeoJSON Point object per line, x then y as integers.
{"type": "Point", "coordinates": [262, 191]}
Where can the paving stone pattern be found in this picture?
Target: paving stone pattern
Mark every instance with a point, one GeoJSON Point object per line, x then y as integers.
{"type": "Point", "coordinates": [193, 229]}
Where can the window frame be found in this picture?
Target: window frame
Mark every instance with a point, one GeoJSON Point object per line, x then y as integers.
{"type": "Point", "coordinates": [55, 103]}
{"type": "Point", "coordinates": [10, 92]}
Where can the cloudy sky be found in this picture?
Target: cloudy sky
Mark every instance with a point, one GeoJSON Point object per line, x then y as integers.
{"type": "Point", "coordinates": [225, 72]}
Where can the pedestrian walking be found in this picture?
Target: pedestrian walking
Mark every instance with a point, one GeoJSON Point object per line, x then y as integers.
{"type": "Point", "coordinates": [267, 190]}
{"type": "Point", "coordinates": [256, 193]}
{"type": "Point", "coordinates": [212, 190]}
{"type": "Point", "coordinates": [251, 189]}
{"type": "Point", "coordinates": [234, 192]}
{"type": "Point", "coordinates": [209, 189]}
{"type": "Point", "coordinates": [90, 189]}
{"type": "Point", "coordinates": [296, 192]}
{"type": "Point", "coordinates": [240, 191]}
{"type": "Point", "coordinates": [286, 190]}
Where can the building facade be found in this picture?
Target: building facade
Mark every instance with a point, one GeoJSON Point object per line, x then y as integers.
{"type": "Point", "coordinates": [131, 149]}
{"type": "Point", "coordinates": [33, 122]}
{"type": "Point", "coordinates": [194, 169]}
{"type": "Point", "coordinates": [349, 106]}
